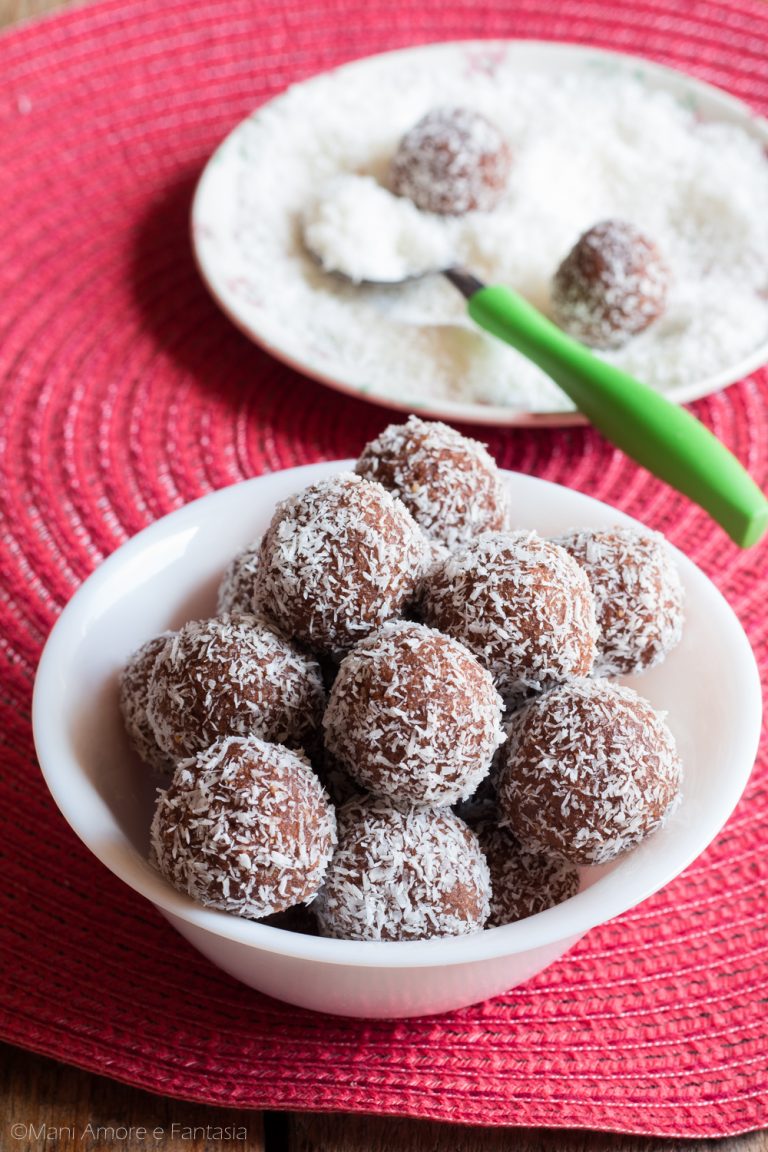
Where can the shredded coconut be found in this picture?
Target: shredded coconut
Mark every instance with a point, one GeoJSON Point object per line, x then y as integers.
{"type": "Point", "coordinates": [403, 873]}
{"type": "Point", "coordinates": [449, 483]}
{"type": "Point", "coordinates": [587, 144]}
{"type": "Point", "coordinates": [588, 771]}
{"type": "Point", "coordinates": [246, 827]}
{"type": "Point", "coordinates": [413, 715]}
{"type": "Point", "coordinates": [521, 604]}
{"type": "Point", "coordinates": [638, 596]}
{"type": "Point", "coordinates": [235, 592]}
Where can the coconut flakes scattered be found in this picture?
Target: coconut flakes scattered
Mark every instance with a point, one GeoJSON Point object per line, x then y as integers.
{"type": "Point", "coordinates": [403, 873]}
{"type": "Point", "coordinates": [413, 715]}
{"type": "Point", "coordinates": [245, 827]}
{"type": "Point", "coordinates": [589, 770]}
{"type": "Point", "coordinates": [449, 483]}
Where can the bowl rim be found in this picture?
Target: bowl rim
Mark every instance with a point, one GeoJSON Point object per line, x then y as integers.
{"type": "Point", "coordinates": [719, 105]}
{"type": "Point", "coordinates": [83, 808]}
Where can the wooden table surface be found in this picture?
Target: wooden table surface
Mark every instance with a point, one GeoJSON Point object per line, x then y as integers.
{"type": "Point", "coordinates": [44, 1104]}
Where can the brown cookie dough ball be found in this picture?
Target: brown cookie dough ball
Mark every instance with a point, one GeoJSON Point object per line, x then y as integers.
{"type": "Point", "coordinates": [611, 285]}
{"type": "Point", "coordinates": [237, 585]}
{"type": "Point", "coordinates": [134, 691]}
{"type": "Point", "coordinates": [638, 596]}
{"type": "Point", "coordinates": [403, 873]}
{"type": "Point", "coordinates": [414, 716]}
{"type": "Point", "coordinates": [338, 560]}
{"type": "Point", "coordinates": [521, 604]}
{"type": "Point", "coordinates": [589, 770]}
{"type": "Point", "coordinates": [244, 827]}
{"type": "Point", "coordinates": [232, 675]}
{"type": "Point", "coordinates": [449, 483]}
{"type": "Point", "coordinates": [522, 882]}
{"type": "Point", "coordinates": [452, 161]}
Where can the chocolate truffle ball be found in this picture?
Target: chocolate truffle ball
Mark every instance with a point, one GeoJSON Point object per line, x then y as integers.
{"type": "Point", "coordinates": [338, 560]}
{"type": "Point", "coordinates": [232, 675]}
{"type": "Point", "coordinates": [244, 827]}
{"type": "Point", "coordinates": [611, 285]}
{"type": "Point", "coordinates": [134, 692]}
{"type": "Point", "coordinates": [522, 882]}
{"type": "Point", "coordinates": [638, 596]}
{"type": "Point", "coordinates": [449, 483]}
{"type": "Point", "coordinates": [452, 161]}
{"type": "Point", "coordinates": [237, 585]}
{"type": "Point", "coordinates": [589, 770]}
{"type": "Point", "coordinates": [403, 873]}
{"type": "Point", "coordinates": [521, 604]}
{"type": "Point", "coordinates": [414, 716]}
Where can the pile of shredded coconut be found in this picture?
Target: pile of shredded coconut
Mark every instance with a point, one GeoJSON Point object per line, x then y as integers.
{"type": "Point", "coordinates": [587, 144]}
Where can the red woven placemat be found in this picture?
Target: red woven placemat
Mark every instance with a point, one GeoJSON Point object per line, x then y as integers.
{"type": "Point", "coordinates": [125, 393]}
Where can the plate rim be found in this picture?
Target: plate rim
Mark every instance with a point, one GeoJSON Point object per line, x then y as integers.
{"type": "Point", "coordinates": [447, 409]}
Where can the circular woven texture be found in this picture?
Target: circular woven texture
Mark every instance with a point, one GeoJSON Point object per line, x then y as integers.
{"type": "Point", "coordinates": [124, 393]}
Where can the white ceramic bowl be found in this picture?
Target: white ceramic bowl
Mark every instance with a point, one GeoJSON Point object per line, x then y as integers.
{"type": "Point", "coordinates": [168, 574]}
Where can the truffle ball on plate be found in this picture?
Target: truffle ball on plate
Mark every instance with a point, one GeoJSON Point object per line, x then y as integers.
{"type": "Point", "coordinates": [245, 827]}
{"type": "Point", "coordinates": [238, 582]}
{"type": "Point", "coordinates": [611, 286]}
{"type": "Point", "coordinates": [638, 596]}
{"type": "Point", "coordinates": [522, 882]}
{"type": "Point", "coordinates": [337, 561]}
{"type": "Point", "coordinates": [589, 770]}
{"type": "Point", "coordinates": [521, 604]}
{"type": "Point", "coordinates": [449, 483]}
{"type": "Point", "coordinates": [413, 715]}
{"type": "Point", "coordinates": [134, 693]}
{"type": "Point", "coordinates": [403, 873]}
{"type": "Point", "coordinates": [452, 161]}
{"type": "Point", "coordinates": [232, 675]}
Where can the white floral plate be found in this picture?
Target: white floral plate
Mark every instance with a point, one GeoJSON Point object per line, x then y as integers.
{"type": "Point", "coordinates": [248, 247]}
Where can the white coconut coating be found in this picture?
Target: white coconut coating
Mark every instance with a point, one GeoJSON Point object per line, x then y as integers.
{"type": "Point", "coordinates": [523, 883]}
{"type": "Point", "coordinates": [449, 483]}
{"type": "Point", "coordinates": [452, 161]}
{"type": "Point", "coordinates": [232, 675]}
{"type": "Point", "coordinates": [237, 585]}
{"type": "Point", "coordinates": [134, 691]}
{"type": "Point", "coordinates": [403, 873]}
{"type": "Point", "coordinates": [611, 286]}
{"type": "Point", "coordinates": [521, 604]}
{"type": "Point", "coordinates": [338, 560]}
{"type": "Point", "coordinates": [588, 771]}
{"type": "Point", "coordinates": [413, 715]}
{"type": "Point", "coordinates": [638, 596]}
{"type": "Point", "coordinates": [245, 827]}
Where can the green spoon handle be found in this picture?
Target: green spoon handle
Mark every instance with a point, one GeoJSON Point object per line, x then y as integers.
{"type": "Point", "coordinates": [663, 437]}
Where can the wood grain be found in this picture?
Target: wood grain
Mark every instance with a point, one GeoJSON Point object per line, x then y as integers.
{"type": "Point", "coordinates": [339, 1133]}
{"type": "Point", "coordinates": [11, 11]}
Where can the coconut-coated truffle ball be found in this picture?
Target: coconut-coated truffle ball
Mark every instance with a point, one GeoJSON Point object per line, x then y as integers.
{"type": "Point", "coordinates": [232, 675]}
{"type": "Point", "coordinates": [245, 827]}
{"type": "Point", "coordinates": [638, 596]}
{"type": "Point", "coordinates": [449, 483]}
{"type": "Point", "coordinates": [521, 604]}
{"type": "Point", "coordinates": [403, 873]}
{"type": "Point", "coordinates": [452, 161]}
{"type": "Point", "coordinates": [235, 594]}
{"type": "Point", "coordinates": [413, 715]}
{"type": "Point", "coordinates": [589, 770]}
{"type": "Point", "coordinates": [134, 692]}
{"type": "Point", "coordinates": [522, 882]}
{"type": "Point", "coordinates": [611, 286]}
{"type": "Point", "coordinates": [338, 560]}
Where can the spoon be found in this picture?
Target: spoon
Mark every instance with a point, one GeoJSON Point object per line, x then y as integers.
{"type": "Point", "coordinates": [662, 436]}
